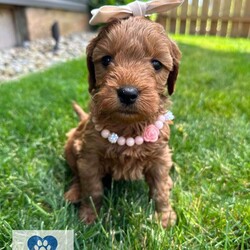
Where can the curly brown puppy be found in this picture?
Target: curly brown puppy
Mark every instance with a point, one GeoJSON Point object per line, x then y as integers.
{"type": "Point", "coordinates": [131, 63]}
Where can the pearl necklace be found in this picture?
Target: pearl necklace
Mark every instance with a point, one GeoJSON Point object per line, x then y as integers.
{"type": "Point", "coordinates": [151, 132]}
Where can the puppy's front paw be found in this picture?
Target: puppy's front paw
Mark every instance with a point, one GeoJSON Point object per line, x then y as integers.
{"type": "Point", "coordinates": [167, 218]}
{"type": "Point", "coordinates": [73, 195]}
{"type": "Point", "coordinates": [87, 214]}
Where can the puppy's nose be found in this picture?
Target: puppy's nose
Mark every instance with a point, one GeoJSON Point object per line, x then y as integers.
{"type": "Point", "coordinates": [128, 95]}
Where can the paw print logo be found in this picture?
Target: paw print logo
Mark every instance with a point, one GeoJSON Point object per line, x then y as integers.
{"type": "Point", "coordinates": [37, 243]}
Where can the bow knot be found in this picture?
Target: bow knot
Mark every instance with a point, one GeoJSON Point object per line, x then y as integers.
{"type": "Point", "coordinates": [136, 8]}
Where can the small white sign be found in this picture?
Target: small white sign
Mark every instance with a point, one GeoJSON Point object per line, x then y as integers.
{"type": "Point", "coordinates": [43, 240]}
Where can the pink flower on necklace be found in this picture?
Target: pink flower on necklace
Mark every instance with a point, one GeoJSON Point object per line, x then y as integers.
{"type": "Point", "coordinates": [151, 133]}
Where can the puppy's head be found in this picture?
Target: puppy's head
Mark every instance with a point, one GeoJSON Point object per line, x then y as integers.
{"type": "Point", "coordinates": [131, 63]}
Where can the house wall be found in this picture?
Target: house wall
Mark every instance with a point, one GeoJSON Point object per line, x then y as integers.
{"type": "Point", "coordinates": [22, 20]}
{"type": "Point", "coordinates": [71, 5]}
{"type": "Point", "coordinates": [39, 22]}
{"type": "Point", "coordinates": [7, 28]}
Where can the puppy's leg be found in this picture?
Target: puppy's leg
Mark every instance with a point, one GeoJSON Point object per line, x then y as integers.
{"type": "Point", "coordinates": [73, 195]}
{"type": "Point", "coordinates": [91, 188]}
{"type": "Point", "coordinates": [160, 185]}
{"type": "Point", "coordinates": [69, 150]}
{"type": "Point", "coordinates": [71, 147]}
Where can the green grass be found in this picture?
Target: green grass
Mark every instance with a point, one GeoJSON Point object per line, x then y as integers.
{"type": "Point", "coordinates": [211, 150]}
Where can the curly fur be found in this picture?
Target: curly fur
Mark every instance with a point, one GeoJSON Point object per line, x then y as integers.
{"type": "Point", "coordinates": [132, 43]}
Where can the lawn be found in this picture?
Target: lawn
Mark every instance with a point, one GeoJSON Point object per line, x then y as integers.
{"type": "Point", "coordinates": [211, 150]}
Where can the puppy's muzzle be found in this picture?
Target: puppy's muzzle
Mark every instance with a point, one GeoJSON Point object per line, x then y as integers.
{"type": "Point", "coordinates": [128, 95]}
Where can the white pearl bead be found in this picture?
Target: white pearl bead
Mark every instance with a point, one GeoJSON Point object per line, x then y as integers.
{"type": "Point", "coordinates": [121, 141]}
{"type": "Point", "coordinates": [98, 127]}
{"type": "Point", "coordinates": [159, 124]}
{"type": "Point", "coordinates": [105, 133]}
{"type": "Point", "coordinates": [139, 140]}
{"type": "Point", "coordinates": [94, 119]}
{"type": "Point", "coordinates": [161, 118]}
{"type": "Point", "coordinates": [130, 141]}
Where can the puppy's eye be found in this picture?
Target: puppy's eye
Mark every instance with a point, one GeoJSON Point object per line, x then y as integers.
{"type": "Point", "coordinates": [106, 60]}
{"type": "Point", "coordinates": [156, 64]}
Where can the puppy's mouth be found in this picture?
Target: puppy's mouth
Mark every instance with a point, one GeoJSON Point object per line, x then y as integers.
{"type": "Point", "coordinates": [128, 115]}
{"type": "Point", "coordinates": [128, 112]}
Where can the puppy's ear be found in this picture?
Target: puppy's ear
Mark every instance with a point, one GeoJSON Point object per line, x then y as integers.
{"type": "Point", "coordinates": [176, 55]}
{"type": "Point", "coordinates": [91, 66]}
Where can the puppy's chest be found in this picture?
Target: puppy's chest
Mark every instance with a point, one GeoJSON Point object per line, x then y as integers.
{"type": "Point", "coordinates": [127, 164]}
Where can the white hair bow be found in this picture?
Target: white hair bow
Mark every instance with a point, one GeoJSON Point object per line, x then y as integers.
{"type": "Point", "coordinates": [136, 8]}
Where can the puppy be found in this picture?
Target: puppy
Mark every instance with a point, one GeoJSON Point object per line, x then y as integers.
{"type": "Point", "coordinates": [131, 64]}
